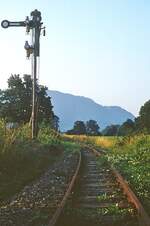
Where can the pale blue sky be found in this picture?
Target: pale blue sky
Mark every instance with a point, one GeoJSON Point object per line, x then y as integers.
{"type": "Point", "coordinates": [95, 48]}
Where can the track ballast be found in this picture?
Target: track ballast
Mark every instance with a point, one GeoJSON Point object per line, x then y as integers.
{"type": "Point", "coordinates": [97, 198]}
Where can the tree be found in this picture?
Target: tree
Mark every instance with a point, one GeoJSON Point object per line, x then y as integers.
{"type": "Point", "coordinates": [143, 121]}
{"type": "Point", "coordinates": [16, 101]}
{"type": "Point", "coordinates": [111, 130]}
{"type": "Point", "coordinates": [92, 127]}
{"type": "Point", "coordinates": [127, 128]}
{"type": "Point", "coordinates": [78, 128]}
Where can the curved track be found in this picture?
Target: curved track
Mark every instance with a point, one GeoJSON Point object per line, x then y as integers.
{"type": "Point", "coordinates": [100, 197]}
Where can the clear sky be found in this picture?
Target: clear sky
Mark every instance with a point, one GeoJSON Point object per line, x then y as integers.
{"type": "Point", "coordinates": [94, 48]}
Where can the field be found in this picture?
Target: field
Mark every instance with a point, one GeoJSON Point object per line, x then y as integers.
{"type": "Point", "coordinates": [131, 156]}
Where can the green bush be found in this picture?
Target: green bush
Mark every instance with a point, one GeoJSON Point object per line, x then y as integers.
{"type": "Point", "coordinates": [132, 158]}
{"type": "Point", "coordinates": [46, 135]}
{"type": "Point", "coordinates": [22, 159]}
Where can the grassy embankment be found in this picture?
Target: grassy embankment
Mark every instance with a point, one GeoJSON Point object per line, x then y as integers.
{"type": "Point", "coordinates": [23, 160]}
{"type": "Point", "coordinates": [131, 156]}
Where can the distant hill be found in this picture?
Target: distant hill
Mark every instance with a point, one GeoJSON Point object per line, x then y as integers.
{"type": "Point", "coordinates": [70, 108]}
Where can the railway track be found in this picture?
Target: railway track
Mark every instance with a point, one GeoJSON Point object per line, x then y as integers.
{"type": "Point", "coordinates": [100, 197]}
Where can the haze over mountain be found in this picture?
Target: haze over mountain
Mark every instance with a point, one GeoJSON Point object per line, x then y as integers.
{"type": "Point", "coordinates": [70, 108]}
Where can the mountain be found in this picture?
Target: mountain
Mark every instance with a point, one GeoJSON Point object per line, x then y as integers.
{"type": "Point", "coordinates": [70, 108]}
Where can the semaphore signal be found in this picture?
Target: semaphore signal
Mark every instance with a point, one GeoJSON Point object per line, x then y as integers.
{"type": "Point", "coordinates": [34, 25]}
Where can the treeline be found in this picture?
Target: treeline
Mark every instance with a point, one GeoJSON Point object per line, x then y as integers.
{"type": "Point", "coordinates": [90, 127]}
{"type": "Point", "coordinates": [127, 128]}
{"type": "Point", "coordinates": [141, 124]}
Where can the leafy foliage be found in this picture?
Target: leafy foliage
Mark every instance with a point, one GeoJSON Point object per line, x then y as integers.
{"type": "Point", "coordinates": [127, 128]}
{"type": "Point", "coordinates": [131, 155]}
{"type": "Point", "coordinates": [22, 159]}
{"type": "Point", "coordinates": [78, 128]}
{"type": "Point", "coordinates": [91, 127]}
{"type": "Point", "coordinates": [111, 130]}
{"type": "Point", "coordinates": [16, 102]}
{"type": "Point", "coordinates": [48, 136]}
{"type": "Point", "coordinates": [143, 121]}
{"type": "Point", "coordinates": [132, 158]}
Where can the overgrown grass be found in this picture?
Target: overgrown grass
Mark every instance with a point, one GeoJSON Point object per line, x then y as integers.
{"type": "Point", "coordinates": [131, 156]}
{"type": "Point", "coordinates": [97, 141]}
{"type": "Point", "coordinates": [23, 160]}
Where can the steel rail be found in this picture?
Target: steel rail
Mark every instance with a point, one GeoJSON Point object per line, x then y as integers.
{"type": "Point", "coordinates": [143, 217]}
{"type": "Point", "coordinates": [57, 213]}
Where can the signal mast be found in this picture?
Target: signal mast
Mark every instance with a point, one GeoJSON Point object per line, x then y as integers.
{"type": "Point", "coordinates": [35, 26]}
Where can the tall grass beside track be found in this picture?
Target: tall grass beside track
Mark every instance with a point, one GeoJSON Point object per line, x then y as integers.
{"type": "Point", "coordinates": [22, 160]}
{"type": "Point", "coordinates": [131, 156]}
{"type": "Point", "coordinates": [98, 141]}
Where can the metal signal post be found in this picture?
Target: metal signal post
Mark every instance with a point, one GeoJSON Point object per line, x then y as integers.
{"type": "Point", "coordinates": [35, 25]}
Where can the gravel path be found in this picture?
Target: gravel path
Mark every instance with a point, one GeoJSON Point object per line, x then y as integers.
{"type": "Point", "coordinates": [36, 203]}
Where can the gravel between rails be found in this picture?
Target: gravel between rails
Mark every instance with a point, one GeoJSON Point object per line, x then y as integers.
{"type": "Point", "coordinates": [97, 200]}
{"type": "Point", "coordinates": [37, 202]}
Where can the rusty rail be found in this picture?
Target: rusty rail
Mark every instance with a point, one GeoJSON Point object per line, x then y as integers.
{"type": "Point", "coordinates": [143, 218]}
{"type": "Point", "coordinates": [57, 213]}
